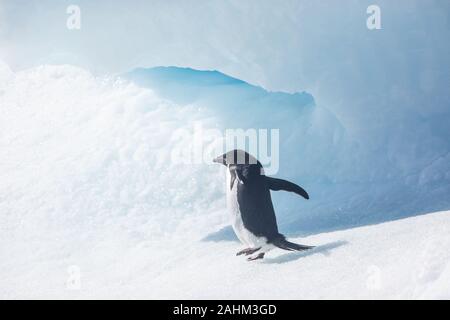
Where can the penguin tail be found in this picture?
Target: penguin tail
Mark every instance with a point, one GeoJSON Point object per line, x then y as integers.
{"type": "Point", "coordinates": [282, 243]}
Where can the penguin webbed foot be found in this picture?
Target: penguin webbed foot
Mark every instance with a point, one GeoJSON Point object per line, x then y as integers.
{"type": "Point", "coordinates": [247, 251]}
{"type": "Point", "coordinates": [258, 256]}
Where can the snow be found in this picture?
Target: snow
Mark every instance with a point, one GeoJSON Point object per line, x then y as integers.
{"type": "Point", "coordinates": [402, 259]}
{"type": "Point", "coordinates": [88, 188]}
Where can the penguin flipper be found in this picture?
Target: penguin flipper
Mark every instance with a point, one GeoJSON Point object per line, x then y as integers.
{"type": "Point", "coordinates": [280, 184]}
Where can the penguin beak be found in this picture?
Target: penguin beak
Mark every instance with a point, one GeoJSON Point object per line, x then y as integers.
{"type": "Point", "coordinates": [219, 159]}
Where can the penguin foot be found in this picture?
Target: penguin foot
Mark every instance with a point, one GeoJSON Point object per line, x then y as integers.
{"type": "Point", "coordinates": [247, 251]}
{"type": "Point", "coordinates": [259, 256]}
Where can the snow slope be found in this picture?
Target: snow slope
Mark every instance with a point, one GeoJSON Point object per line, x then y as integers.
{"type": "Point", "coordinates": [404, 259]}
{"type": "Point", "coordinates": [88, 187]}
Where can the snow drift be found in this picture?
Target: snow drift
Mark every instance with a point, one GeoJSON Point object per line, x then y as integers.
{"type": "Point", "coordinates": [85, 174]}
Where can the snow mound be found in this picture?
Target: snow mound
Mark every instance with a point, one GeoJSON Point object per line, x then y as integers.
{"type": "Point", "coordinates": [85, 166]}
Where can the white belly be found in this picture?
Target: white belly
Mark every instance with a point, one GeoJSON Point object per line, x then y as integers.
{"type": "Point", "coordinates": [245, 236]}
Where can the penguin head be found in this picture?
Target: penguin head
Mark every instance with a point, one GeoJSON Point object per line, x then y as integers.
{"type": "Point", "coordinates": [242, 165]}
{"type": "Point", "coordinates": [236, 158]}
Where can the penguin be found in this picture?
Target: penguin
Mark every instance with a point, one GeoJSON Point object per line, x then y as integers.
{"type": "Point", "coordinates": [250, 204]}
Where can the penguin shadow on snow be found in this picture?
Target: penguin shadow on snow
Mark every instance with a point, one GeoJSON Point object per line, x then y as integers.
{"type": "Point", "coordinates": [292, 256]}
{"type": "Point", "coordinates": [227, 234]}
